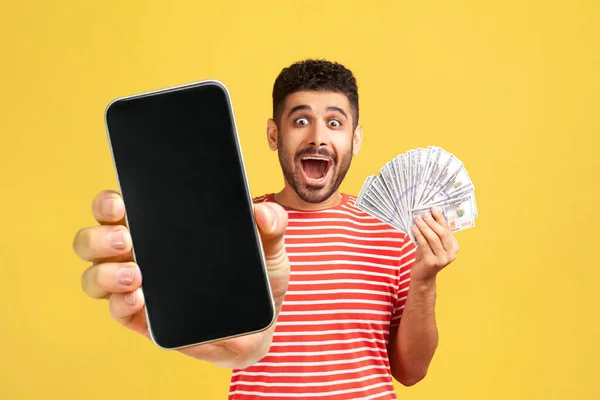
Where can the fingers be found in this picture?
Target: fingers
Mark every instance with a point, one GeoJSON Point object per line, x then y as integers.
{"type": "Point", "coordinates": [128, 310]}
{"type": "Point", "coordinates": [421, 241]}
{"type": "Point", "coordinates": [438, 216]}
{"type": "Point", "coordinates": [433, 241]}
{"type": "Point", "coordinates": [120, 283]}
{"type": "Point", "coordinates": [437, 222]}
{"type": "Point", "coordinates": [433, 235]}
{"type": "Point", "coordinates": [108, 208]}
{"type": "Point", "coordinates": [102, 242]}
{"type": "Point", "coordinates": [101, 280]}
{"type": "Point", "coordinates": [271, 219]}
{"type": "Point", "coordinates": [440, 226]}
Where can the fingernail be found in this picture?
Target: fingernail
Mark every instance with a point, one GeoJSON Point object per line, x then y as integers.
{"type": "Point", "coordinates": [130, 298]}
{"type": "Point", "coordinates": [419, 218]}
{"type": "Point", "coordinates": [110, 206]}
{"type": "Point", "coordinates": [428, 216]}
{"type": "Point", "coordinates": [125, 276]}
{"type": "Point", "coordinates": [117, 240]}
{"type": "Point", "coordinates": [274, 216]}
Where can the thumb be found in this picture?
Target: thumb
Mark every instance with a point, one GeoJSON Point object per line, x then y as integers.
{"type": "Point", "coordinates": [272, 220]}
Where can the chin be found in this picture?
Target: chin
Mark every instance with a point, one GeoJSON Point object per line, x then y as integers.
{"type": "Point", "coordinates": [314, 196]}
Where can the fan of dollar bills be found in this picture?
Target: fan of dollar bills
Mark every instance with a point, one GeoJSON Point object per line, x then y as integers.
{"type": "Point", "coordinates": [413, 182]}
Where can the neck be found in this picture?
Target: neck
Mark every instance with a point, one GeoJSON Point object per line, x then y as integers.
{"type": "Point", "coordinates": [287, 197]}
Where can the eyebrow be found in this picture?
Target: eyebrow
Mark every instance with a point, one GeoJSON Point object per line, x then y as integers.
{"type": "Point", "coordinates": [307, 108]}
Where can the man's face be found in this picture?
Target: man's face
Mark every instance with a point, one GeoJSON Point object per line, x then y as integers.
{"type": "Point", "coordinates": [315, 142]}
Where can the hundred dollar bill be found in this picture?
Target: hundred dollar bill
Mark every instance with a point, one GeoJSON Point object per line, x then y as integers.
{"type": "Point", "coordinates": [422, 156]}
{"type": "Point", "coordinates": [371, 208]}
{"type": "Point", "coordinates": [449, 166]}
{"type": "Point", "coordinates": [440, 198]}
{"type": "Point", "coordinates": [411, 183]}
{"type": "Point", "coordinates": [405, 187]}
{"type": "Point", "coordinates": [385, 185]}
{"type": "Point", "coordinates": [376, 198]}
{"type": "Point", "coordinates": [426, 178]}
{"type": "Point", "coordinates": [399, 200]}
{"type": "Point", "coordinates": [379, 198]}
{"type": "Point", "coordinates": [457, 182]}
{"type": "Point", "coordinates": [443, 162]}
{"type": "Point", "coordinates": [382, 184]}
{"type": "Point", "coordinates": [475, 214]}
{"type": "Point", "coordinates": [365, 197]}
{"type": "Point", "coordinates": [364, 189]}
{"type": "Point", "coordinates": [412, 157]}
{"type": "Point", "coordinates": [392, 173]}
{"type": "Point", "coordinates": [458, 213]}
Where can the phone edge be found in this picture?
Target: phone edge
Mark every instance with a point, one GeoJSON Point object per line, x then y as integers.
{"type": "Point", "coordinates": [224, 88]}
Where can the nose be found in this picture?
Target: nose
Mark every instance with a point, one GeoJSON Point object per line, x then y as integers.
{"type": "Point", "coordinates": [318, 136]}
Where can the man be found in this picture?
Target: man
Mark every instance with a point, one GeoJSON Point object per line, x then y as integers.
{"type": "Point", "coordinates": [348, 320]}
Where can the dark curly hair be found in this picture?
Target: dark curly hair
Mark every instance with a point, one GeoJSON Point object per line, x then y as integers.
{"type": "Point", "coordinates": [315, 75]}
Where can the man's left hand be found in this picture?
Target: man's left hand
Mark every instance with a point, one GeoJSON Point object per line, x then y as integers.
{"type": "Point", "coordinates": [437, 247]}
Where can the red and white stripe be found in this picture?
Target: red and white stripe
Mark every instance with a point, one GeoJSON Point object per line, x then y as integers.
{"type": "Point", "coordinates": [349, 280]}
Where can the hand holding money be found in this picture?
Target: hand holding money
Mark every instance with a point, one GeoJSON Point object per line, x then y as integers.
{"type": "Point", "coordinates": [437, 247]}
{"type": "Point", "coordinates": [410, 184]}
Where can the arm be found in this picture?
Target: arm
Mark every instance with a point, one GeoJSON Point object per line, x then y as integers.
{"type": "Point", "coordinates": [413, 343]}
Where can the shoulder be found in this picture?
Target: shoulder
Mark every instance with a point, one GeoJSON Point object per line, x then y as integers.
{"type": "Point", "coordinates": [261, 199]}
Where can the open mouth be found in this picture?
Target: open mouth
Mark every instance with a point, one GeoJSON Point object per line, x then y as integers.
{"type": "Point", "coordinates": [315, 168]}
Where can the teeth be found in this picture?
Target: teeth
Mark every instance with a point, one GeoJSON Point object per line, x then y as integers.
{"type": "Point", "coordinates": [321, 179]}
{"type": "Point", "coordinates": [315, 158]}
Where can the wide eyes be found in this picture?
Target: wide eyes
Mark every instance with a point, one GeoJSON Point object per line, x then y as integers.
{"type": "Point", "coordinates": [304, 121]}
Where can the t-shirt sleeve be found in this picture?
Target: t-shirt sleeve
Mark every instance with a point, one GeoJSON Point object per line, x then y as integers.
{"type": "Point", "coordinates": [407, 259]}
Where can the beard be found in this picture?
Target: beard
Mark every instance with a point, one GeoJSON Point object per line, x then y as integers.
{"type": "Point", "coordinates": [291, 167]}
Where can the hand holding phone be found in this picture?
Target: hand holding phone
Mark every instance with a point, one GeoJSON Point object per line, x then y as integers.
{"type": "Point", "coordinates": [212, 269]}
{"type": "Point", "coordinates": [114, 276]}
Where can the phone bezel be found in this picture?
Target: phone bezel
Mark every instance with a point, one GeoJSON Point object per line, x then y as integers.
{"type": "Point", "coordinates": [249, 199]}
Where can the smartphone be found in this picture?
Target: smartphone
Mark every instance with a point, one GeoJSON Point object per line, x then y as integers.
{"type": "Point", "coordinates": [181, 174]}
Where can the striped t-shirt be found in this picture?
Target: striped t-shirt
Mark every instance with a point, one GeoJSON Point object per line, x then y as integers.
{"type": "Point", "coordinates": [349, 280]}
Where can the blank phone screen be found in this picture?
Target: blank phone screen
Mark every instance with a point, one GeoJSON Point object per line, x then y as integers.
{"type": "Point", "coordinates": [189, 212]}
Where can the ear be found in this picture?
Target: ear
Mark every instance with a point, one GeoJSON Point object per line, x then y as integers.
{"type": "Point", "coordinates": [272, 134]}
{"type": "Point", "coordinates": [357, 140]}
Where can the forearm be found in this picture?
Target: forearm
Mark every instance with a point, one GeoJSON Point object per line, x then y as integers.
{"type": "Point", "coordinates": [416, 338]}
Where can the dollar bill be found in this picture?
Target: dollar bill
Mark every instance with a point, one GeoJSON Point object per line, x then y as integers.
{"type": "Point", "coordinates": [370, 208]}
{"type": "Point", "coordinates": [426, 178]}
{"type": "Point", "coordinates": [448, 188]}
{"type": "Point", "coordinates": [458, 213]}
{"type": "Point", "coordinates": [365, 188]}
{"type": "Point", "coordinates": [411, 183]}
{"type": "Point", "coordinates": [447, 166]}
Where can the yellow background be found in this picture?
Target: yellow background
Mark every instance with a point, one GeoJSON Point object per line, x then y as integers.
{"type": "Point", "coordinates": [511, 87]}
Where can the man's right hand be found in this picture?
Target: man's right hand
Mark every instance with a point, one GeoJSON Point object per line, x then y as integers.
{"type": "Point", "coordinates": [113, 275]}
